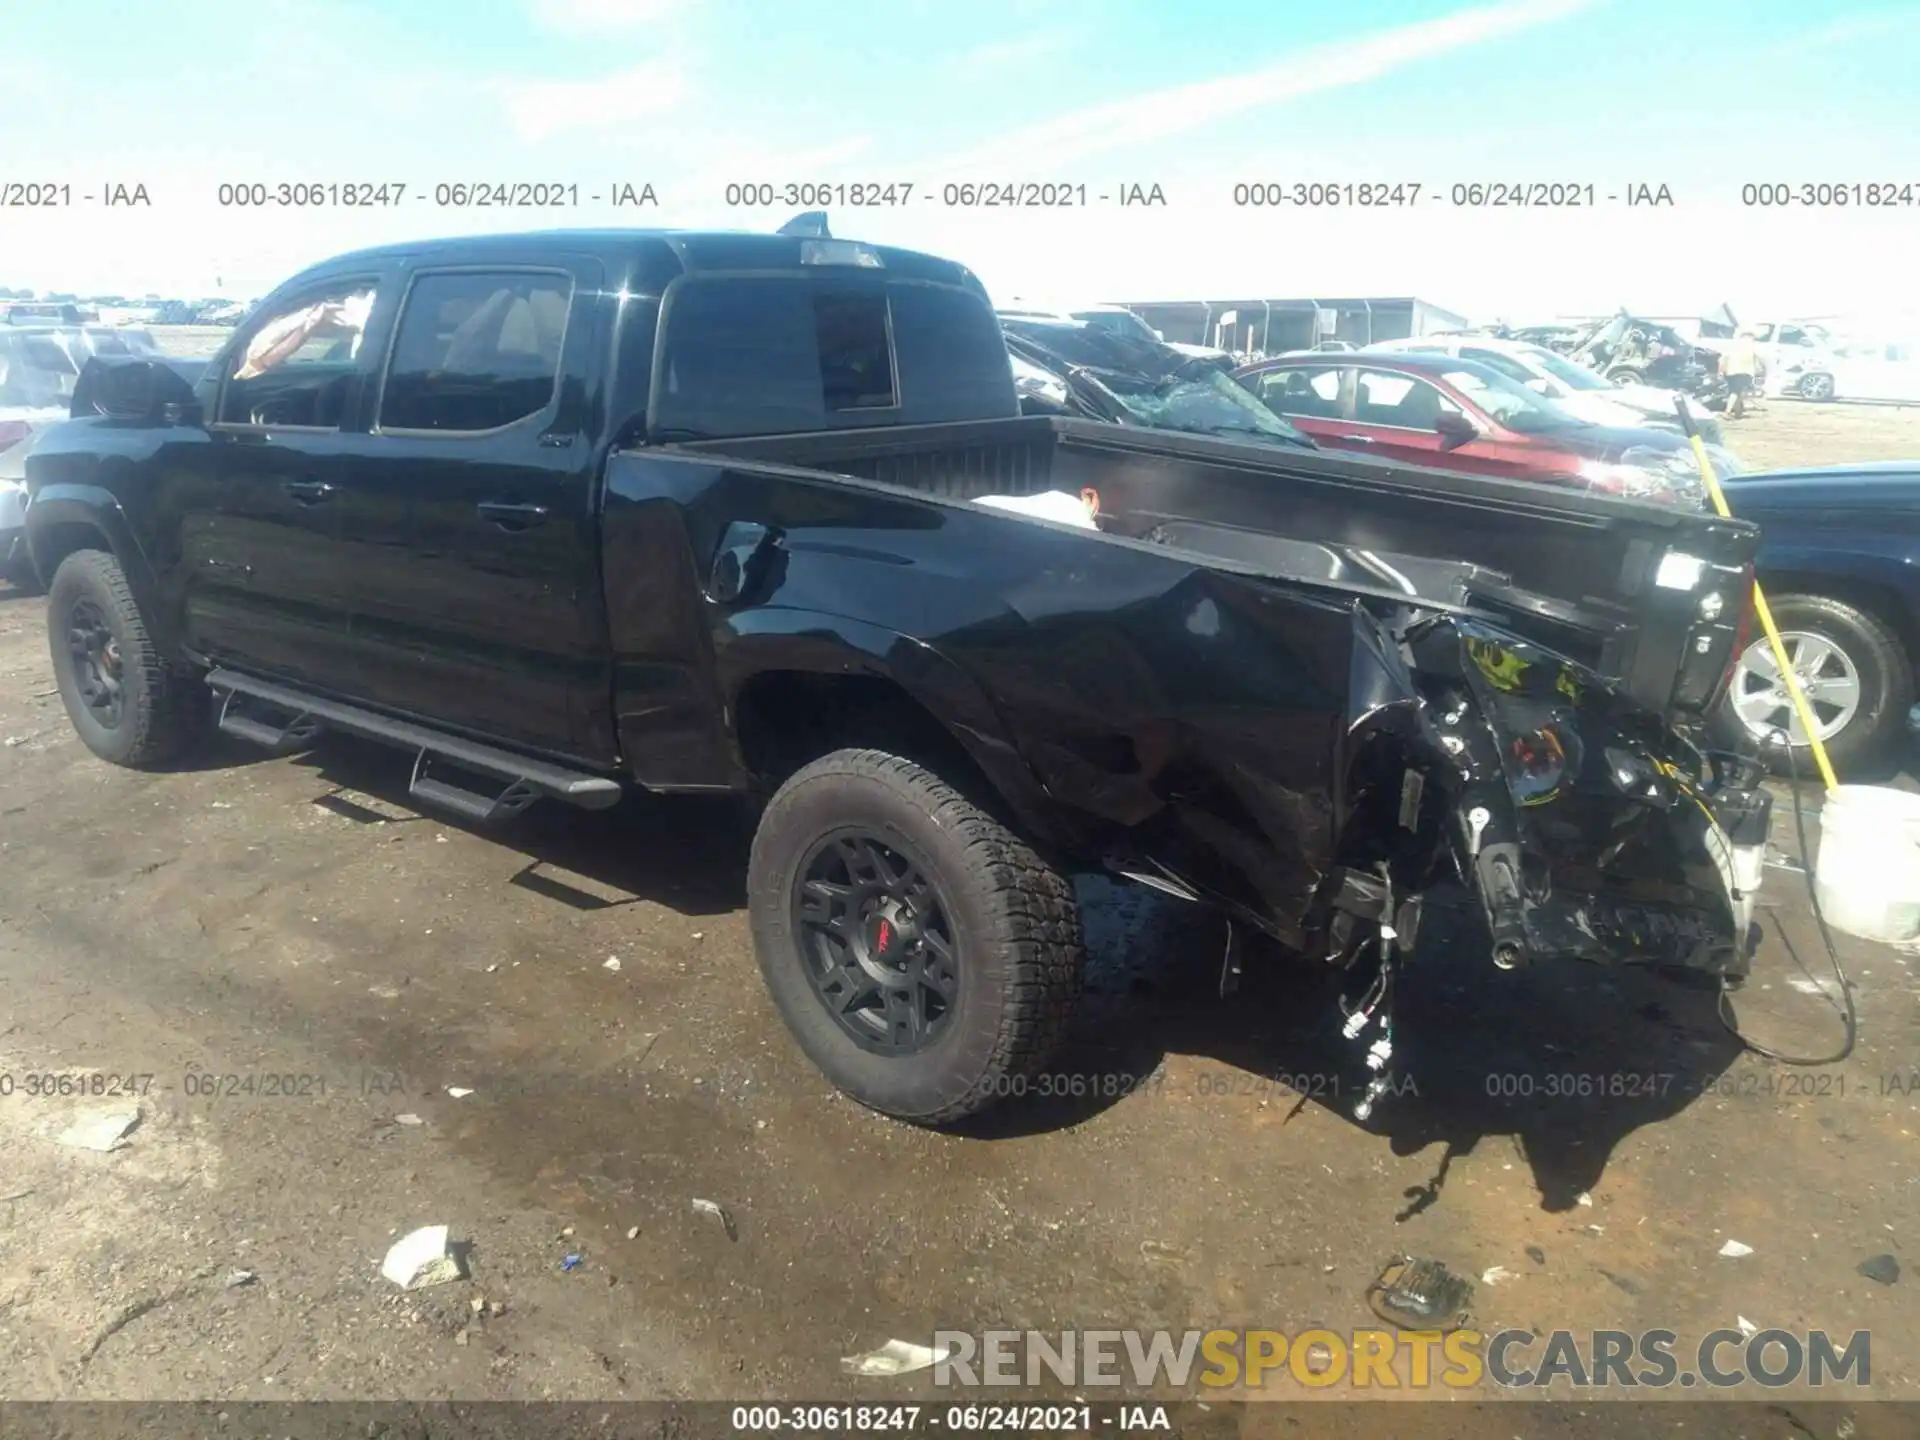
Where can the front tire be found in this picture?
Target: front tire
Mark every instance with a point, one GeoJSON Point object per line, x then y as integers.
{"type": "Point", "coordinates": [128, 702]}
{"type": "Point", "coordinates": [1817, 386]}
{"type": "Point", "coordinates": [1859, 681]}
{"type": "Point", "coordinates": [923, 955]}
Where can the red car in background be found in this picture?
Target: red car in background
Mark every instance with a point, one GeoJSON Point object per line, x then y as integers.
{"type": "Point", "coordinates": [1454, 414]}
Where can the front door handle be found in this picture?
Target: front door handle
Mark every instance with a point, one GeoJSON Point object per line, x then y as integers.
{"type": "Point", "coordinates": [511, 516]}
{"type": "Point", "coordinates": [309, 492]}
{"type": "Point", "coordinates": [1359, 439]}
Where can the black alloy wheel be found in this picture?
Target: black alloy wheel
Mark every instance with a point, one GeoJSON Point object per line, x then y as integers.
{"type": "Point", "coordinates": [94, 652]}
{"type": "Point", "coordinates": [880, 947]}
{"type": "Point", "coordinates": [926, 957]}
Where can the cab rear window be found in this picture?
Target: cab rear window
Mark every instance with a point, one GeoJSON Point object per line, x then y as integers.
{"type": "Point", "coordinates": [745, 355]}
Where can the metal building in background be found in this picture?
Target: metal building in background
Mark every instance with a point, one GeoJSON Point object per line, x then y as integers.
{"type": "Point", "coordinates": [1270, 327]}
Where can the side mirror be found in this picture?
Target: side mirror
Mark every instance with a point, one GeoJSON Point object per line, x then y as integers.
{"type": "Point", "coordinates": [142, 391]}
{"type": "Point", "coordinates": [1455, 429]}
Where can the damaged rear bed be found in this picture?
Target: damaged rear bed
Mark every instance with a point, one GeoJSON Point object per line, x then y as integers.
{"type": "Point", "coordinates": [1306, 689]}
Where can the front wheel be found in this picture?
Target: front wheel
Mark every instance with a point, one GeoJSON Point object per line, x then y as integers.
{"type": "Point", "coordinates": [923, 955]}
{"type": "Point", "coordinates": [1856, 676]}
{"type": "Point", "coordinates": [129, 703]}
{"type": "Point", "coordinates": [1817, 386]}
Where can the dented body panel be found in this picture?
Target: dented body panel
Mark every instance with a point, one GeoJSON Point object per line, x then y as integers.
{"type": "Point", "coordinates": [1309, 755]}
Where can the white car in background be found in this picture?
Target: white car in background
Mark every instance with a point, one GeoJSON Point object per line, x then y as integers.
{"type": "Point", "coordinates": [19, 426]}
{"type": "Point", "coordinates": [1115, 318]}
{"type": "Point", "coordinates": [1807, 362]}
{"type": "Point", "coordinates": [1569, 384]}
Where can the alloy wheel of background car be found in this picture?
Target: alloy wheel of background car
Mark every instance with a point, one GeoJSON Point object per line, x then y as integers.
{"type": "Point", "coordinates": [880, 950]}
{"type": "Point", "coordinates": [1827, 675]}
{"type": "Point", "coordinates": [1817, 386]}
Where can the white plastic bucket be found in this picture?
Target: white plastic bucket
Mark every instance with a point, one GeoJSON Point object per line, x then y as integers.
{"type": "Point", "coordinates": [1867, 873]}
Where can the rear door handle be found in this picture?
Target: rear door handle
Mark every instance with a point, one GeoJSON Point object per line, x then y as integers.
{"type": "Point", "coordinates": [309, 492]}
{"type": "Point", "coordinates": [512, 517]}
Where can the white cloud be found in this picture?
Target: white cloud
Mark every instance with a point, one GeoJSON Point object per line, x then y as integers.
{"type": "Point", "coordinates": [1018, 51]}
{"type": "Point", "coordinates": [540, 109]}
{"type": "Point", "coordinates": [1162, 114]}
{"type": "Point", "coordinates": [596, 15]}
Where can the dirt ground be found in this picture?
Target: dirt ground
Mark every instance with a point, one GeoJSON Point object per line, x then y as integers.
{"type": "Point", "coordinates": [289, 968]}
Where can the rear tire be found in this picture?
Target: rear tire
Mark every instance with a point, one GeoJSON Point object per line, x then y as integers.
{"type": "Point", "coordinates": [128, 702]}
{"type": "Point", "coordinates": [926, 959]}
{"type": "Point", "coordinates": [1868, 658]}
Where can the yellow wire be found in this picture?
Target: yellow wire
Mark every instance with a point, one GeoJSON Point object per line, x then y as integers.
{"type": "Point", "coordinates": [1760, 608]}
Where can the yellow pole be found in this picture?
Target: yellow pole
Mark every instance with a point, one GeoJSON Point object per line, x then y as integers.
{"type": "Point", "coordinates": [1792, 681]}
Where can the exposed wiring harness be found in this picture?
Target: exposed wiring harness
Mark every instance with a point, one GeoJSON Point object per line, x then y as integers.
{"type": "Point", "coordinates": [1849, 1013]}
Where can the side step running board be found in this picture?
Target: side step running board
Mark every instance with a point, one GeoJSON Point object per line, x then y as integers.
{"type": "Point", "coordinates": [521, 779]}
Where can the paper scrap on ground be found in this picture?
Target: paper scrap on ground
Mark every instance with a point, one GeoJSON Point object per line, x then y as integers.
{"type": "Point", "coordinates": [456, 1091]}
{"type": "Point", "coordinates": [1734, 1250]}
{"type": "Point", "coordinates": [719, 1212]}
{"type": "Point", "coordinates": [1495, 1274]}
{"type": "Point", "coordinates": [421, 1259]}
{"type": "Point", "coordinates": [103, 1132]}
{"type": "Point", "coordinates": [896, 1357]}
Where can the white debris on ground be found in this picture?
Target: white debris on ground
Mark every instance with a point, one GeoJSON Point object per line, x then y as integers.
{"type": "Point", "coordinates": [103, 1132]}
{"type": "Point", "coordinates": [896, 1357]}
{"type": "Point", "coordinates": [424, 1257]}
{"type": "Point", "coordinates": [719, 1212]}
{"type": "Point", "coordinates": [1735, 1250]}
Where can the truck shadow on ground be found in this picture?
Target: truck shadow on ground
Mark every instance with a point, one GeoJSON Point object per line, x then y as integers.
{"type": "Point", "coordinates": [1567, 1060]}
{"type": "Point", "coordinates": [688, 853]}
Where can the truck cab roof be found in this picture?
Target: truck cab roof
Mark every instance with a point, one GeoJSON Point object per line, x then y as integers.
{"type": "Point", "coordinates": [643, 262]}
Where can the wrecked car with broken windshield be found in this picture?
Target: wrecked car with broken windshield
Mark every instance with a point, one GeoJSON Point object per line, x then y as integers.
{"type": "Point", "coordinates": [569, 515]}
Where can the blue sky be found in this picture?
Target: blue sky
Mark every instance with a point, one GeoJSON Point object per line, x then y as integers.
{"type": "Point", "coordinates": [689, 94]}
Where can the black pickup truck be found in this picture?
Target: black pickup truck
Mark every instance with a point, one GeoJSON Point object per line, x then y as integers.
{"type": "Point", "coordinates": [569, 513]}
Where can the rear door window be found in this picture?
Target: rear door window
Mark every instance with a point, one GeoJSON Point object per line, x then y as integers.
{"type": "Point", "coordinates": [1310, 392]}
{"type": "Point", "coordinates": [476, 351]}
{"type": "Point", "coordinates": [1400, 401]}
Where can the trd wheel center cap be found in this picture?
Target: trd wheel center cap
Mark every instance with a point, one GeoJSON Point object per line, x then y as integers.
{"type": "Point", "coordinates": [891, 932]}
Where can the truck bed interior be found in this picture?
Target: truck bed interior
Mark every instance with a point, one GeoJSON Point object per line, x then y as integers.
{"type": "Point", "coordinates": [1573, 571]}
